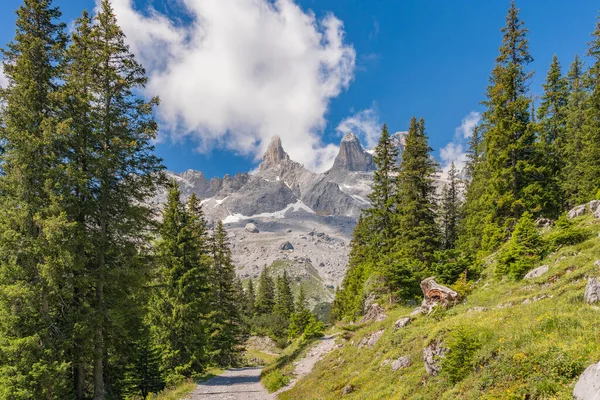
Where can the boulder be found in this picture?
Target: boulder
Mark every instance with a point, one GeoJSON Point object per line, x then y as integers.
{"type": "Point", "coordinates": [371, 340]}
{"type": "Point", "coordinates": [435, 294]}
{"type": "Point", "coordinates": [537, 272]}
{"type": "Point", "coordinates": [544, 223]}
{"type": "Point", "coordinates": [592, 291]}
{"type": "Point", "coordinates": [347, 390]}
{"type": "Point", "coordinates": [400, 363]}
{"type": "Point", "coordinates": [375, 313]}
{"type": "Point", "coordinates": [432, 356]}
{"type": "Point", "coordinates": [286, 246]}
{"type": "Point", "coordinates": [577, 211]}
{"type": "Point", "coordinates": [402, 322]}
{"type": "Point", "coordinates": [251, 228]}
{"type": "Point", "coordinates": [588, 385]}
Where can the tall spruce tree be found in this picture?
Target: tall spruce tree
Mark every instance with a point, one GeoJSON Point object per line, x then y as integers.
{"type": "Point", "coordinates": [265, 294]}
{"type": "Point", "coordinates": [180, 302]}
{"type": "Point", "coordinates": [225, 318]}
{"type": "Point", "coordinates": [379, 215]}
{"type": "Point", "coordinates": [551, 115]}
{"type": "Point", "coordinates": [512, 172]}
{"type": "Point", "coordinates": [35, 254]}
{"type": "Point", "coordinates": [250, 308]}
{"type": "Point", "coordinates": [284, 305]}
{"type": "Point", "coordinates": [572, 146]}
{"type": "Point", "coordinates": [450, 209]}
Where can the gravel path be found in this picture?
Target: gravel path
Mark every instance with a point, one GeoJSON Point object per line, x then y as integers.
{"type": "Point", "coordinates": [233, 384]}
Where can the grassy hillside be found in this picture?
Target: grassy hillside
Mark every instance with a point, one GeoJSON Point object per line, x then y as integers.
{"type": "Point", "coordinates": [509, 340]}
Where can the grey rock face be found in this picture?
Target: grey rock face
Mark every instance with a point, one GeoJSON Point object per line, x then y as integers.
{"type": "Point", "coordinates": [274, 154]}
{"type": "Point", "coordinates": [588, 385]}
{"type": "Point", "coordinates": [251, 228]}
{"type": "Point", "coordinates": [400, 363]}
{"type": "Point", "coordinates": [592, 291]}
{"type": "Point", "coordinates": [537, 272]}
{"type": "Point", "coordinates": [593, 207]}
{"type": "Point", "coordinates": [375, 313]}
{"type": "Point", "coordinates": [544, 223]}
{"type": "Point", "coordinates": [286, 246]}
{"type": "Point", "coordinates": [370, 341]}
{"type": "Point", "coordinates": [402, 322]}
{"type": "Point", "coordinates": [352, 156]}
{"type": "Point", "coordinates": [432, 356]}
{"type": "Point", "coordinates": [577, 211]}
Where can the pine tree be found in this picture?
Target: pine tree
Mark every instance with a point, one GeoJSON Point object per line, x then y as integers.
{"type": "Point", "coordinates": [250, 299]}
{"type": "Point", "coordinates": [301, 316]}
{"type": "Point", "coordinates": [590, 180]}
{"type": "Point", "coordinates": [180, 303]}
{"type": "Point", "coordinates": [511, 180]}
{"type": "Point", "coordinates": [572, 146]}
{"type": "Point", "coordinates": [35, 254]}
{"type": "Point", "coordinates": [551, 126]}
{"type": "Point", "coordinates": [265, 295]}
{"type": "Point", "coordinates": [450, 210]}
{"type": "Point", "coordinates": [226, 319]}
{"type": "Point", "coordinates": [379, 214]}
{"type": "Point", "coordinates": [284, 305]}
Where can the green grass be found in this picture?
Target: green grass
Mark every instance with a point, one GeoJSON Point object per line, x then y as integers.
{"type": "Point", "coordinates": [264, 358]}
{"type": "Point", "coordinates": [532, 350]}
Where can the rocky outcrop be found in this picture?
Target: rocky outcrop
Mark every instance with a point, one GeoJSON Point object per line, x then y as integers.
{"type": "Point", "coordinates": [537, 272]}
{"type": "Point", "coordinates": [593, 207]}
{"type": "Point", "coordinates": [592, 291]}
{"type": "Point", "coordinates": [432, 357]}
{"type": "Point", "coordinates": [274, 154]}
{"type": "Point", "coordinates": [435, 295]}
{"type": "Point", "coordinates": [371, 340]}
{"type": "Point", "coordinates": [588, 385]}
{"type": "Point", "coordinates": [352, 156]}
{"type": "Point", "coordinates": [544, 223]}
{"type": "Point", "coordinates": [251, 228]}
{"type": "Point", "coordinates": [402, 362]}
{"type": "Point", "coordinates": [375, 313]}
{"type": "Point", "coordinates": [286, 246]}
{"type": "Point", "coordinates": [402, 322]}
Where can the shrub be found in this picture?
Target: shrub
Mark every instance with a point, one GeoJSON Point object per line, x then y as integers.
{"type": "Point", "coordinates": [462, 286]}
{"type": "Point", "coordinates": [566, 233]}
{"type": "Point", "coordinates": [462, 344]}
{"type": "Point", "coordinates": [275, 380]}
{"type": "Point", "coordinates": [522, 251]}
{"type": "Point", "coordinates": [314, 329]}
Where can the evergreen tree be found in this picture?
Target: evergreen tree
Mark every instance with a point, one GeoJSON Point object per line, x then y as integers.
{"type": "Point", "coordinates": [450, 209]}
{"type": "Point", "coordinates": [250, 299]}
{"type": "Point", "coordinates": [551, 127]}
{"type": "Point", "coordinates": [179, 305]}
{"type": "Point", "coordinates": [379, 215]}
{"type": "Point", "coordinates": [301, 316]}
{"type": "Point", "coordinates": [225, 317]}
{"type": "Point", "coordinates": [265, 296]}
{"type": "Point", "coordinates": [35, 255]}
{"type": "Point", "coordinates": [284, 305]}
{"type": "Point", "coordinates": [572, 145]}
{"type": "Point", "coordinates": [511, 181]}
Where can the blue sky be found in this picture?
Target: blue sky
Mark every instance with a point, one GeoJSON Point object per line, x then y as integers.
{"type": "Point", "coordinates": [423, 58]}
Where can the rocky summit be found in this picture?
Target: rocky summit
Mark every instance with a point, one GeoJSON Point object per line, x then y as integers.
{"type": "Point", "coordinates": [297, 216]}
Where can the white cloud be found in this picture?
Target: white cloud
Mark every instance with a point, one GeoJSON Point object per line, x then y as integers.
{"type": "Point", "coordinates": [364, 124]}
{"type": "Point", "coordinates": [455, 150]}
{"type": "Point", "coordinates": [243, 71]}
{"type": "Point", "coordinates": [3, 78]}
{"type": "Point", "coordinates": [465, 130]}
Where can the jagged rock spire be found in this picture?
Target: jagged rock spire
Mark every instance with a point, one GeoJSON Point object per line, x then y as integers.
{"type": "Point", "coordinates": [352, 156]}
{"type": "Point", "coordinates": [274, 154]}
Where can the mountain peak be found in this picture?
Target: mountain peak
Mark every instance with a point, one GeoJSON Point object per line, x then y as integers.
{"type": "Point", "coordinates": [352, 156]}
{"type": "Point", "coordinates": [274, 154]}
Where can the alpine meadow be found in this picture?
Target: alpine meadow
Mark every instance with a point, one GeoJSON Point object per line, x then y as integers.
{"type": "Point", "coordinates": [363, 264]}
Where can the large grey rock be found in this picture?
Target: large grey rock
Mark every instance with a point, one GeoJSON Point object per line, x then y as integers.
{"type": "Point", "coordinates": [537, 272]}
{"type": "Point", "coordinates": [402, 322]}
{"type": "Point", "coordinates": [400, 363]}
{"type": "Point", "coordinates": [371, 340]}
{"type": "Point", "coordinates": [375, 313]}
{"type": "Point", "coordinates": [544, 223]}
{"type": "Point", "coordinates": [588, 385]}
{"type": "Point", "coordinates": [577, 211]}
{"type": "Point", "coordinates": [286, 246]}
{"type": "Point", "coordinates": [592, 291]}
{"type": "Point", "coordinates": [432, 356]}
{"type": "Point", "coordinates": [352, 156]}
{"type": "Point", "coordinates": [251, 228]}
